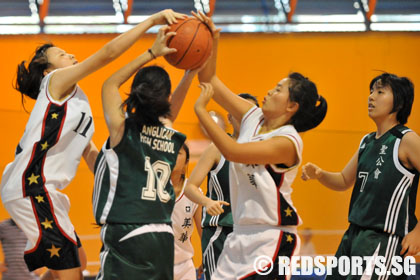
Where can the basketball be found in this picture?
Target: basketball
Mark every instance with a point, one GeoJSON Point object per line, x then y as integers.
{"type": "Point", "coordinates": [193, 41]}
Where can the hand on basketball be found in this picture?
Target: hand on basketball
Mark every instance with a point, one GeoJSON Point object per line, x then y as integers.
{"type": "Point", "coordinates": [411, 243]}
{"type": "Point", "coordinates": [167, 16]}
{"type": "Point", "coordinates": [311, 171]}
{"type": "Point", "coordinates": [209, 22]}
{"type": "Point", "coordinates": [160, 47]}
{"type": "Point", "coordinates": [205, 96]}
{"type": "Point", "coordinates": [214, 207]}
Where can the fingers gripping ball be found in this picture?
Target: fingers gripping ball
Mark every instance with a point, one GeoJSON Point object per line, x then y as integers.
{"type": "Point", "coordinates": [193, 41]}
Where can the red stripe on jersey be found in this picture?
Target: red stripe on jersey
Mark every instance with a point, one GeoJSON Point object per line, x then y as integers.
{"type": "Point", "coordinates": [276, 252]}
{"type": "Point", "coordinates": [52, 101]}
{"type": "Point", "coordinates": [62, 122]}
{"type": "Point", "coordinates": [179, 198]}
{"type": "Point", "coordinates": [258, 125]}
{"type": "Point", "coordinates": [33, 151]}
{"type": "Point", "coordinates": [278, 199]}
{"type": "Point", "coordinates": [39, 229]}
{"type": "Point", "coordinates": [296, 141]}
{"type": "Point", "coordinates": [250, 113]}
{"type": "Point", "coordinates": [56, 221]}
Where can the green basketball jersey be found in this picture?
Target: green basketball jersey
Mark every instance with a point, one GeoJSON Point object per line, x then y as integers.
{"type": "Point", "coordinates": [132, 180]}
{"type": "Point", "coordinates": [218, 189]}
{"type": "Point", "coordinates": [384, 195]}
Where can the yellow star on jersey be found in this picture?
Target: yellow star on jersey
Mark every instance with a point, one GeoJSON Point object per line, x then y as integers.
{"type": "Point", "coordinates": [54, 116]}
{"type": "Point", "coordinates": [54, 251]}
{"type": "Point", "coordinates": [40, 198]}
{"type": "Point", "coordinates": [33, 179]}
{"type": "Point", "coordinates": [47, 224]}
{"type": "Point", "coordinates": [44, 146]}
{"type": "Point", "coordinates": [288, 212]}
{"type": "Point", "coordinates": [289, 238]}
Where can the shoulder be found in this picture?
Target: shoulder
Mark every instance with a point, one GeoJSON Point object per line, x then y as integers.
{"type": "Point", "coordinates": [410, 140]}
{"type": "Point", "coordinates": [254, 113]}
{"type": "Point", "coordinates": [289, 132]}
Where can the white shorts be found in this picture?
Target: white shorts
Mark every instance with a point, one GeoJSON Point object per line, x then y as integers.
{"type": "Point", "coordinates": [52, 241]}
{"type": "Point", "coordinates": [185, 270]}
{"type": "Point", "coordinates": [246, 245]}
{"type": "Point", "coordinates": [22, 213]}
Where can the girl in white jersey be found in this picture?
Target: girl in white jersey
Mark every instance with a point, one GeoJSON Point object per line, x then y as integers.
{"type": "Point", "coordinates": [57, 134]}
{"type": "Point", "coordinates": [186, 213]}
{"type": "Point", "coordinates": [263, 166]}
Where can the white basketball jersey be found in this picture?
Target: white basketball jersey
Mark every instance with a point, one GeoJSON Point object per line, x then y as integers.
{"type": "Point", "coordinates": [261, 194]}
{"type": "Point", "coordinates": [183, 226]}
{"type": "Point", "coordinates": [49, 152]}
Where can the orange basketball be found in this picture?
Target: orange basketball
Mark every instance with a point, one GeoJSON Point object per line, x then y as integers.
{"type": "Point", "coordinates": [194, 42]}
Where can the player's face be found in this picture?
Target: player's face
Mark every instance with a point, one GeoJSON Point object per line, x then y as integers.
{"type": "Point", "coordinates": [58, 58]}
{"type": "Point", "coordinates": [380, 102]}
{"type": "Point", "coordinates": [277, 99]}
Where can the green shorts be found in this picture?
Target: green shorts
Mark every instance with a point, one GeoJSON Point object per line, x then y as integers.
{"type": "Point", "coordinates": [212, 241]}
{"type": "Point", "coordinates": [358, 241]}
{"type": "Point", "coordinates": [132, 251]}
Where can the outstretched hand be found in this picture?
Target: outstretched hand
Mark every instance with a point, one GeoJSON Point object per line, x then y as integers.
{"type": "Point", "coordinates": [209, 22]}
{"type": "Point", "coordinates": [214, 207]}
{"type": "Point", "coordinates": [160, 47]}
{"type": "Point", "coordinates": [205, 96]}
{"type": "Point", "coordinates": [311, 171]}
{"type": "Point", "coordinates": [167, 16]}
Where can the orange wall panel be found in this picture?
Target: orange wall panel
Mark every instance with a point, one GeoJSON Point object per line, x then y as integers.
{"type": "Point", "coordinates": [341, 64]}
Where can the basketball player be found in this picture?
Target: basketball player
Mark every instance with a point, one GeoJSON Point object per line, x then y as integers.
{"type": "Point", "coordinates": [264, 163]}
{"type": "Point", "coordinates": [133, 197]}
{"type": "Point", "coordinates": [57, 134]}
{"type": "Point", "coordinates": [215, 228]}
{"type": "Point", "coordinates": [385, 173]}
{"type": "Point", "coordinates": [186, 213]}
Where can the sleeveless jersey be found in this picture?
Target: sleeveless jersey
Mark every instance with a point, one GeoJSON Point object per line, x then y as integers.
{"type": "Point", "coordinates": [384, 195]}
{"type": "Point", "coordinates": [132, 180]}
{"type": "Point", "coordinates": [218, 189]}
{"type": "Point", "coordinates": [49, 152]}
{"type": "Point", "coordinates": [261, 194]}
{"type": "Point", "coordinates": [183, 226]}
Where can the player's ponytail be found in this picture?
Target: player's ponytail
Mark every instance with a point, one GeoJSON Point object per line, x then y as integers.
{"type": "Point", "coordinates": [312, 107]}
{"type": "Point", "coordinates": [148, 99]}
{"type": "Point", "coordinates": [29, 77]}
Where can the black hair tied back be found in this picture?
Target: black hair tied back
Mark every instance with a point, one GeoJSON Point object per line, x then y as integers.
{"type": "Point", "coordinates": [29, 78]}
{"type": "Point", "coordinates": [312, 106]}
{"type": "Point", "coordinates": [148, 99]}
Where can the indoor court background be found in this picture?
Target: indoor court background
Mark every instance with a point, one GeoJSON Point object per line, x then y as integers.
{"type": "Point", "coordinates": [341, 64]}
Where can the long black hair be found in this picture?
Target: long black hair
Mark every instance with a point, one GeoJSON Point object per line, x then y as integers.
{"type": "Point", "coordinates": [402, 90]}
{"type": "Point", "coordinates": [29, 77]}
{"type": "Point", "coordinates": [312, 106]}
{"type": "Point", "coordinates": [149, 96]}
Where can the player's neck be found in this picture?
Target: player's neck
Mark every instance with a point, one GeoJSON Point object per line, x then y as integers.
{"type": "Point", "coordinates": [383, 126]}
